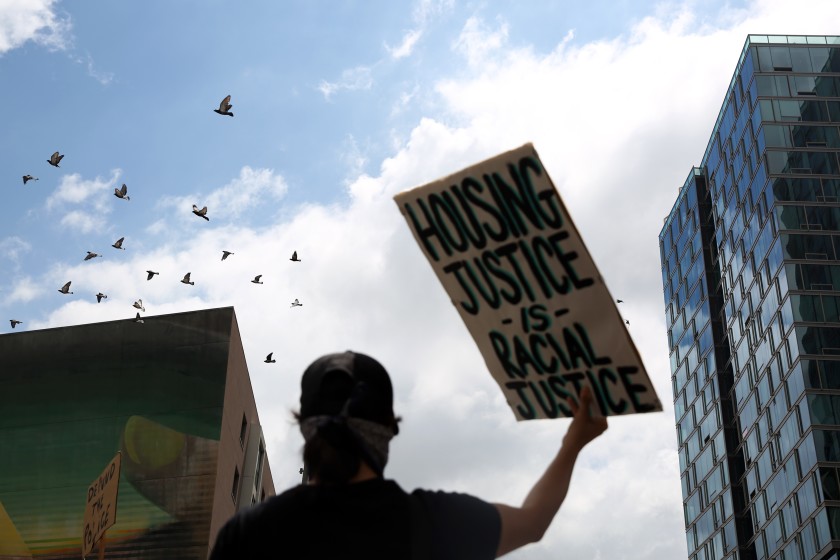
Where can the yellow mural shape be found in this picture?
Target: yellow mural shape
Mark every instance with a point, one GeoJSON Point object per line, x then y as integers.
{"type": "Point", "coordinates": [150, 444]}
{"type": "Point", "coordinates": [11, 543]}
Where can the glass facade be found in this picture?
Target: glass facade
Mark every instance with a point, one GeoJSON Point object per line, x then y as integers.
{"type": "Point", "coordinates": [751, 281]}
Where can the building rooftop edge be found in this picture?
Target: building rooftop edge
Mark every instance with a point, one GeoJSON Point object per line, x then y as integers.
{"type": "Point", "coordinates": [209, 310]}
{"type": "Point", "coordinates": [751, 39]}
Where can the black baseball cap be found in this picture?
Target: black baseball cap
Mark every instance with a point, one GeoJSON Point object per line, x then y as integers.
{"type": "Point", "coordinates": [349, 384]}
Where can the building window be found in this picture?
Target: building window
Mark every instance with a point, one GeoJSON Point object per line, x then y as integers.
{"type": "Point", "coordinates": [235, 490]}
{"type": "Point", "coordinates": [260, 459]}
{"type": "Point", "coordinates": [243, 430]}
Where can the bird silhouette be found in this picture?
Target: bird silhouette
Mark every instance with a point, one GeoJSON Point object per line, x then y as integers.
{"type": "Point", "coordinates": [225, 107]}
{"type": "Point", "coordinates": [186, 279]}
{"type": "Point", "coordinates": [626, 322]}
{"type": "Point", "coordinates": [137, 318]}
{"type": "Point", "coordinates": [15, 323]}
{"type": "Point", "coordinates": [294, 257]}
{"type": "Point", "coordinates": [619, 301]}
{"type": "Point", "coordinates": [296, 303]}
{"type": "Point", "coordinates": [200, 213]}
{"type": "Point", "coordinates": [122, 193]}
{"type": "Point", "coordinates": [269, 359]}
{"type": "Point", "coordinates": [150, 274]}
{"type": "Point", "coordinates": [226, 254]}
{"type": "Point", "coordinates": [65, 289]}
{"type": "Point", "coordinates": [91, 255]}
{"type": "Point", "coordinates": [27, 178]}
{"type": "Point", "coordinates": [55, 159]}
{"type": "Point", "coordinates": [118, 244]}
{"type": "Point", "coordinates": [139, 305]}
{"type": "Point", "coordinates": [256, 279]}
{"type": "Point", "coordinates": [100, 296]}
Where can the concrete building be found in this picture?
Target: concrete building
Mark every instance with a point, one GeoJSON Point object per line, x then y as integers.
{"type": "Point", "coordinates": [172, 395]}
{"type": "Point", "coordinates": [751, 274]}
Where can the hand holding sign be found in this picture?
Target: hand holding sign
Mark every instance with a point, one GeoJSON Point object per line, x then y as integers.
{"type": "Point", "coordinates": [585, 426]}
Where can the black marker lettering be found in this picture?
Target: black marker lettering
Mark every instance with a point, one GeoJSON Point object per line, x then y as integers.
{"type": "Point", "coordinates": [633, 389]}
{"type": "Point", "coordinates": [528, 413]}
{"type": "Point", "coordinates": [455, 267]}
{"type": "Point", "coordinates": [471, 189]}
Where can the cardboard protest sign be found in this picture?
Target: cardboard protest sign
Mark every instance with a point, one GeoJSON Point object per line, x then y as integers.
{"type": "Point", "coordinates": [500, 240]}
{"type": "Point", "coordinates": [101, 506]}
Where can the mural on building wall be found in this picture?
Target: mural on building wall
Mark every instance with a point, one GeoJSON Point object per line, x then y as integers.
{"type": "Point", "coordinates": [70, 398]}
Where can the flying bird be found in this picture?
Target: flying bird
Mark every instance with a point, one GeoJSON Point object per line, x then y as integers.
{"type": "Point", "coordinates": [122, 193]}
{"type": "Point", "coordinates": [15, 323]}
{"type": "Point", "coordinates": [65, 289]}
{"type": "Point", "coordinates": [55, 159]}
{"type": "Point", "coordinates": [256, 279]}
{"type": "Point", "coordinates": [268, 359]}
{"type": "Point", "coordinates": [139, 305]}
{"type": "Point", "coordinates": [118, 244]}
{"type": "Point", "coordinates": [91, 255]}
{"type": "Point", "coordinates": [27, 178]}
{"type": "Point", "coordinates": [225, 107]}
{"type": "Point", "coordinates": [294, 257]}
{"type": "Point", "coordinates": [296, 303]}
{"type": "Point", "coordinates": [626, 322]}
{"type": "Point", "coordinates": [100, 296]}
{"type": "Point", "coordinates": [200, 213]}
{"type": "Point", "coordinates": [137, 319]}
{"type": "Point", "coordinates": [226, 254]}
{"type": "Point", "coordinates": [186, 279]}
{"type": "Point", "coordinates": [151, 274]}
{"type": "Point", "coordinates": [619, 301]}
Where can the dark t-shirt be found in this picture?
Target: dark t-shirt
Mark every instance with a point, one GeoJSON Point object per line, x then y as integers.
{"type": "Point", "coordinates": [368, 520]}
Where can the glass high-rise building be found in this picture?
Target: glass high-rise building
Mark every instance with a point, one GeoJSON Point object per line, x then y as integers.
{"type": "Point", "coordinates": [751, 275]}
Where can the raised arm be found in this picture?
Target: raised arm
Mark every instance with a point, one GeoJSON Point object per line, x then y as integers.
{"type": "Point", "coordinates": [528, 523]}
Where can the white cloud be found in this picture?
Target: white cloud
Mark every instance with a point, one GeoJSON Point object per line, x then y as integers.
{"type": "Point", "coordinates": [22, 290]}
{"type": "Point", "coordinates": [13, 247]}
{"type": "Point", "coordinates": [104, 78]}
{"type": "Point", "coordinates": [83, 202]}
{"type": "Point", "coordinates": [405, 48]}
{"type": "Point", "coordinates": [253, 187]}
{"type": "Point", "coordinates": [32, 20]}
{"type": "Point", "coordinates": [353, 156]}
{"type": "Point", "coordinates": [426, 10]}
{"type": "Point", "coordinates": [423, 13]}
{"type": "Point", "coordinates": [352, 79]}
{"type": "Point", "coordinates": [82, 222]}
{"type": "Point", "coordinates": [75, 190]}
{"type": "Point", "coordinates": [477, 41]}
{"type": "Point", "coordinates": [404, 100]}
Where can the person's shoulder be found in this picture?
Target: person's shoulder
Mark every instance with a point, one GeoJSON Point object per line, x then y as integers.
{"type": "Point", "coordinates": [435, 496]}
{"type": "Point", "coordinates": [250, 525]}
{"type": "Point", "coordinates": [440, 503]}
{"type": "Point", "coordinates": [462, 525]}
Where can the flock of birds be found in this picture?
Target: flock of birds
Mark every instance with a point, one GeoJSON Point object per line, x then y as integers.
{"type": "Point", "coordinates": [122, 193]}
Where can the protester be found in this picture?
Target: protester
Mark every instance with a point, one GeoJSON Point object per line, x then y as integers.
{"type": "Point", "coordinates": [349, 510]}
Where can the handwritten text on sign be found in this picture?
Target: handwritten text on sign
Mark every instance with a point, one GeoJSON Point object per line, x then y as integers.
{"type": "Point", "coordinates": [501, 242]}
{"type": "Point", "coordinates": [101, 505]}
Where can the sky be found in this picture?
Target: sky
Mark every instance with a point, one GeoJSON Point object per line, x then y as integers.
{"type": "Point", "coordinates": [338, 106]}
